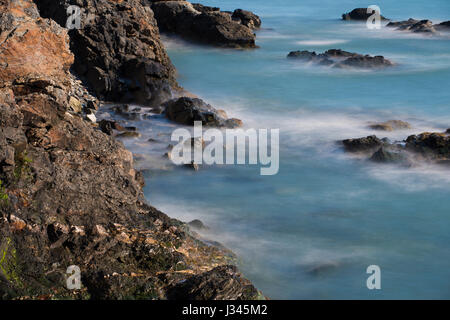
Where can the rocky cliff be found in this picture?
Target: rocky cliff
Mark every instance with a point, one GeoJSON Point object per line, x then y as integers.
{"type": "Point", "coordinates": [69, 194]}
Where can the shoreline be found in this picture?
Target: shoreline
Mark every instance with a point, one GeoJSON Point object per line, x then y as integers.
{"type": "Point", "coordinates": [70, 195]}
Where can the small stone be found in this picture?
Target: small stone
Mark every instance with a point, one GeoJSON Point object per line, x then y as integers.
{"type": "Point", "coordinates": [75, 105]}
{"type": "Point", "coordinates": [129, 134]}
{"type": "Point", "coordinates": [91, 117]}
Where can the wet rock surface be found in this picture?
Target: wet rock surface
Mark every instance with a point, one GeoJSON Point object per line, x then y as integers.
{"type": "Point", "coordinates": [206, 24]}
{"type": "Point", "coordinates": [338, 58]}
{"type": "Point", "coordinates": [69, 193]}
{"type": "Point", "coordinates": [187, 110]}
{"type": "Point", "coordinates": [117, 51]}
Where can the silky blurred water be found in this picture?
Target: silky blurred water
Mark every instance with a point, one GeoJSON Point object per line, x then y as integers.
{"type": "Point", "coordinates": [312, 230]}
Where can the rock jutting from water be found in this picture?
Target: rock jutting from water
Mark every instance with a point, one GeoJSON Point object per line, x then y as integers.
{"type": "Point", "coordinates": [207, 24]}
{"type": "Point", "coordinates": [358, 14]}
{"type": "Point", "coordinates": [186, 110]}
{"type": "Point", "coordinates": [118, 51]}
{"type": "Point", "coordinates": [338, 58]}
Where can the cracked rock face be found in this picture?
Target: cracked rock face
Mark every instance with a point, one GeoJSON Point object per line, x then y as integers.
{"type": "Point", "coordinates": [118, 51]}
{"type": "Point", "coordinates": [69, 194]}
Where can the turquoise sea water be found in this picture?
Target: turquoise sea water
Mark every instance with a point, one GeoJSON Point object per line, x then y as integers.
{"type": "Point", "coordinates": [312, 230]}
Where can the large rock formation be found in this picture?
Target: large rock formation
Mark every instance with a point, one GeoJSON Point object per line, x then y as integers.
{"type": "Point", "coordinates": [117, 49]}
{"type": "Point", "coordinates": [342, 59]}
{"type": "Point", "coordinates": [69, 194]}
{"type": "Point", "coordinates": [206, 24]}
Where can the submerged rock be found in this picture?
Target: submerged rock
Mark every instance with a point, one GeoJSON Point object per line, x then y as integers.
{"type": "Point", "coordinates": [390, 125]}
{"type": "Point", "coordinates": [358, 14]}
{"type": "Point", "coordinates": [186, 110]}
{"type": "Point", "coordinates": [388, 155]}
{"type": "Point", "coordinates": [206, 24]}
{"type": "Point", "coordinates": [342, 59]}
{"type": "Point", "coordinates": [197, 224]}
{"type": "Point", "coordinates": [418, 26]}
{"type": "Point", "coordinates": [443, 26]}
{"type": "Point", "coordinates": [366, 145]}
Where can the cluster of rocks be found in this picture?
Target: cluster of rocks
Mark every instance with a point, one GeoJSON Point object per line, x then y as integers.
{"type": "Point", "coordinates": [69, 193]}
{"type": "Point", "coordinates": [419, 26]}
{"type": "Point", "coordinates": [207, 24]}
{"type": "Point", "coordinates": [434, 147]}
{"type": "Point", "coordinates": [412, 25]}
{"type": "Point", "coordinates": [338, 58]}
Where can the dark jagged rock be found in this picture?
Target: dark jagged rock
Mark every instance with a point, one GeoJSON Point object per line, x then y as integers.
{"type": "Point", "coordinates": [186, 110]}
{"type": "Point", "coordinates": [367, 145]}
{"type": "Point", "coordinates": [418, 26]}
{"type": "Point", "coordinates": [443, 26]}
{"type": "Point", "coordinates": [358, 14]}
{"type": "Point", "coordinates": [69, 194]}
{"type": "Point", "coordinates": [431, 145]}
{"type": "Point", "coordinates": [217, 284]}
{"type": "Point", "coordinates": [118, 51]}
{"type": "Point", "coordinates": [247, 18]}
{"type": "Point", "coordinates": [204, 24]}
{"type": "Point", "coordinates": [342, 59]}
{"type": "Point", "coordinates": [434, 147]}
{"type": "Point", "coordinates": [197, 224]}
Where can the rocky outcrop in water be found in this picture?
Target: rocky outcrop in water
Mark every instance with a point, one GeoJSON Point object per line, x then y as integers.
{"type": "Point", "coordinates": [433, 147]}
{"type": "Point", "coordinates": [420, 26]}
{"type": "Point", "coordinates": [338, 58]}
{"type": "Point", "coordinates": [117, 50]}
{"type": "Point", "coordinates": [358, 14]}
{"type": "Point", "coordinates": [206, 24]}
{"type": "Point", "coordinates": [69, 194]}
{"type": "Point", "coordinates": [417, 26]}
{"type": "Point", "coordinates": [186, 110]}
